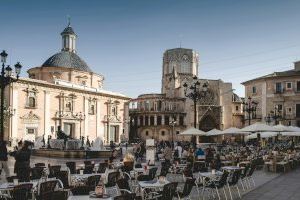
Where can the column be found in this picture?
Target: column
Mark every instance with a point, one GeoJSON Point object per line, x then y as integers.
{"type": "Point", "coordinates": [99, 125]}
{"type": "Point", "coordinates": [14, 118]}
{"type": "Point", "coordinates": [155, 120]}
{"type": "Point", "coordinates": [47, 125]}
{"type": "Point", "coordinates": [86, 119]}
{"type": "Point", "coordinates": [138, 121]}
{"type": "Point", "coordinates": [162, 119]}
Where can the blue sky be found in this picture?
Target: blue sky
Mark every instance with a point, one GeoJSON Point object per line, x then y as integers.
{"type": "Point", "coordinates": [125, 39]}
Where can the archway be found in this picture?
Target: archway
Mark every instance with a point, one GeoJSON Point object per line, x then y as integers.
{"type": "Point", "coordinates": [206, 124]}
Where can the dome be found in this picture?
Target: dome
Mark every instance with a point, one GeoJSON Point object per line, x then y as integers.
{"type": "Point", "coordinates": [67, 59]}
{"type": "Point", "coordinates": [68, 30]}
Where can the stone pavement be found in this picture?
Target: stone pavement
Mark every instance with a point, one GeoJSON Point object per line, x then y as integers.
{"type": "Point", "coordinates": [284, 187]}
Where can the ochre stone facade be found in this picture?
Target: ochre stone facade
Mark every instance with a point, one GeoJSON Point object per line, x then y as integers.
{"type": "Point", "coordinates": [152, 114]}
{"type": "Point", "coordinates": [66, 95]}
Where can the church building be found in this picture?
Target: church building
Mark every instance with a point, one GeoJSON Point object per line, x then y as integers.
{"type": "Point", "coordinates": [64, 93]}
{"type": "Point", "coordinates": [163, 116]}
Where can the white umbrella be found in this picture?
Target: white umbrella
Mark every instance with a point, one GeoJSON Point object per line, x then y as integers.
{"type": "Point", "coordinates": [282, 128]}
{"type": "Point", "coordinates": [213, 132]}
{"type": "Point", "coordinates": [193, 131]}
{"type": "Point", "coordinates": [290, 134]}
{"type": "Point", "coordinates": [295, 128]}
{"type": "Point", "coordinates": [262, 135]}
{"type": "Point", "coordinates": [259, 127]}
{"type": "Point", "coordinates": [232, 131]}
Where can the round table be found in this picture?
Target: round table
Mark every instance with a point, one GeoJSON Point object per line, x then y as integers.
{"type": "Point", "coordinates": [86, 197]}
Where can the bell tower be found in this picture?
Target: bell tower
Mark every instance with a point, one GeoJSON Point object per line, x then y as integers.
{"type": "Point", "coordinates": [179, 62]}
{"type": "Point", "coordinates": [68, 39]}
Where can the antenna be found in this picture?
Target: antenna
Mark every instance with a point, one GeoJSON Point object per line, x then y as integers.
{"type": "Point", "coordinates": [69, 20]}
{"type": "Point", "coordinates": [180, 40]}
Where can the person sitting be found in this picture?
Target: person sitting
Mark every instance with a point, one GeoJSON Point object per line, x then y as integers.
{"type": "Point", "coordinates": [200, 153]}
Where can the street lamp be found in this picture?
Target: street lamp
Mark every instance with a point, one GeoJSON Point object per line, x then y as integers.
{"type": "Point", "coordinates": [274, 115]}
{"type": "Point", "coordinates": [196, 94]}
{"type": "Point", "coordinates": [173, 123]}
{"type": "Point", "coordinates": [250, 107]}
{"type": "Point", "coordinates": [7, 78]}
{"type": "Point", "coordinates": [80, 116]}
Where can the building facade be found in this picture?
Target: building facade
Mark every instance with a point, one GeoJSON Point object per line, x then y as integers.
{"type": "Point", "coordinates": [64, 93]}
{"type": "Point", "coordinates": [277, 95]}
{"type": "Point", "coordinates": [153, 115]}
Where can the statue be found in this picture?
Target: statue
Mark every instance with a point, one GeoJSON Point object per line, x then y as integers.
{"type": "Point", "coordinates": [88, 143]}
{"type": "Point", "coordinates": [48, 142]}
{"type": "Point", "coordinates": [97, 144]}
{"type": "Point", "coordinates": [39, 142]}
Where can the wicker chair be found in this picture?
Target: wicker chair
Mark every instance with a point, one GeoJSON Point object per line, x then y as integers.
{"type": "Point", "coordinates": [21, 192]}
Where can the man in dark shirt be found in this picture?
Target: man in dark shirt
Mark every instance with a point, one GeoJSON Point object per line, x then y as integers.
{"type": "Point", "coordinates": [3, 158]}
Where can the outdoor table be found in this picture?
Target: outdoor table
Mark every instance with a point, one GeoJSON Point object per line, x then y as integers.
{"type": "Point", "coordinates": [76, 178]}
{"type": "Point", "coordinates": [232, 168]}
{"type": "Point", "coordinates": [227, 162]}
{"type": "Point", "coordinates": [86, 197]}
{"type": "Point", "coordinates": [10, 186]}
{"type": "Point", "coordinates": [210, 175]}
{"type": "Point", "coordinates": [155, 184]}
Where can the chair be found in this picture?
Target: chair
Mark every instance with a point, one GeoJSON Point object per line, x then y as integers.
{"type": "Point", "coordinates": [47, 186]}
{"type": "Point", "coordinates": [72, 167]}
{"type": "Point", "coordinates": [233, 182]}
{"type": "Point", "coordinates": [88, 169]}
{"type": "Point", "coordinates": [149, 177]}
{"type": "Point", "coordinates": [168, 192]}
{"type": "Point", "coordinates": [243, 176]}
{"type": "Point", "coordinates": [112, 179]}
{"type": "Point", "coordinates": [102, 168]}
{"type": "Point", "coordinates": [56, 195]}
{"type": "Point", "coordinates": [188, 186]}
{"type": "Point", "coordinates": [24, 174]}
{"type": "Point", "coordinates": [87, 162]}
{"type": "Point", "coordinates": [39, 165]}
{"type": "Point", "coordinates": [126, 197]}
{"type": "Point", "coordinates": [81, 190]}
{"type": "Point", "coordinates": [63, 176]}
{"type": "Point", "coordinates": [138, 165]}
{"type": "Point", "coordinates": [152, 172]}
{"type": "Point", "coordinates": [123, 186]}
{"type": "Point", "coordinates": [53, 170]}
{"type": "Point", "coordinates": [10, 179]}
{"type": "Point", "coordinates": [249, 175]}
{"type": "Point", "coordinates": [21, 192]}
{"type": "Point", "coordinates": [37, 173]}
{"type": "Point", "coordinates": [93, 181]}
{"type": "Point", "coordinates": [219, 184]}
{"type": "Point", "coordinates": [128, 166]}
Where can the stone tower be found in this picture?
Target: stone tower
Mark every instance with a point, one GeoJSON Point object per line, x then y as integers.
{"type": "Point", "coordinates": [178, 65]}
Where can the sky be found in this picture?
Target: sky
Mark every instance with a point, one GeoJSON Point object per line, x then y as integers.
{"type": "Point", "coordinates": [124, 40]}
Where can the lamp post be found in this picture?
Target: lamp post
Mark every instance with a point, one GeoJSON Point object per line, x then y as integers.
{"type": "Point", "coordinates": [80, 116]}
{"type": "Point", "coordinates": [173, 123]}
{"type": "Point", "coordinates": [197, 93]}
{"type": "Point", "coordinates": [274, 115]}
{"type": "Point", "coordinates": [7, 77]}
{"type": "Point", "coordinates": [250, 107]}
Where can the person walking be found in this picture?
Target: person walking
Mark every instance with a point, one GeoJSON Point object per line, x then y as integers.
{"type": "Point", "coordinates": [22, 164]}
{"type": "Point", "coordinates": [4, 158]}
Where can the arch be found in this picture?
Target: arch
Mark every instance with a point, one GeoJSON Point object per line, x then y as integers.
{"type": "Point", "coordinates": [208, 123]}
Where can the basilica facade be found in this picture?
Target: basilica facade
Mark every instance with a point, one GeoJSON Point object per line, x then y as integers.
{"type": "Point", "coordinates": [64, 93]}
{"type": "Point", "coordinates": [163, 116]}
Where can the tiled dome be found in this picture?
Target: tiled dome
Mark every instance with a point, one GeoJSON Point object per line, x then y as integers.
{"type": "Point", "coordinates": [67, 59]}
